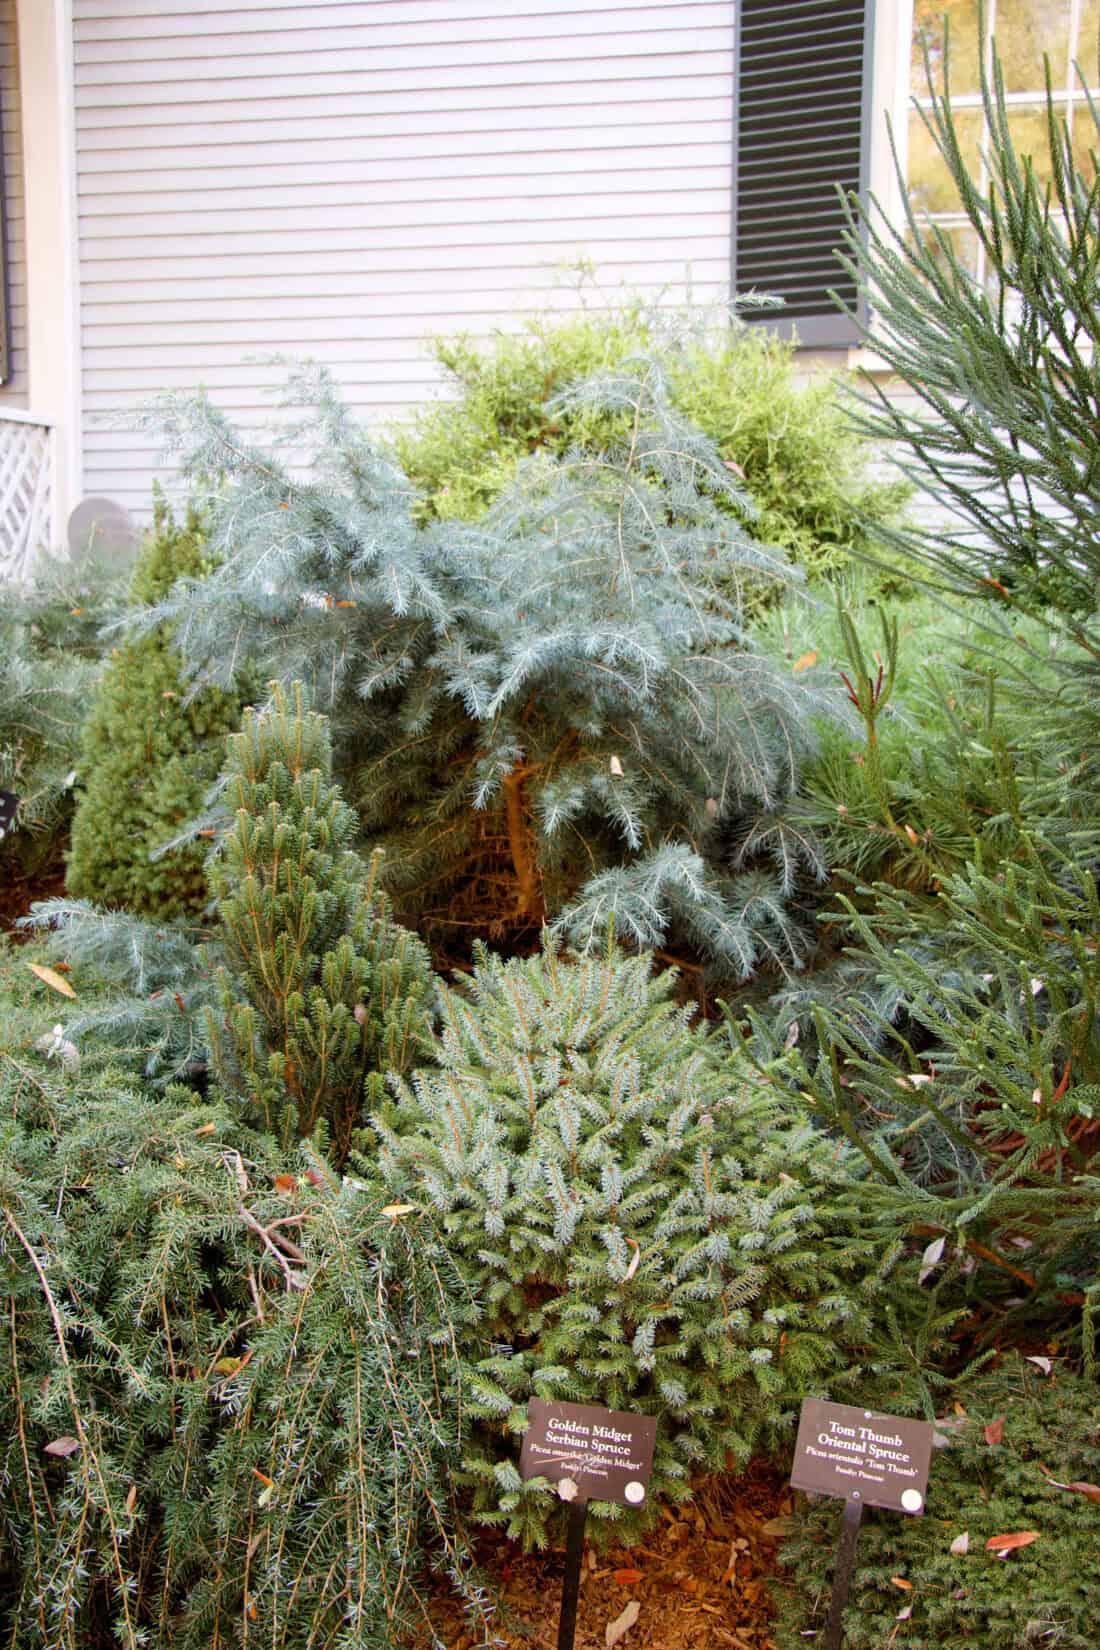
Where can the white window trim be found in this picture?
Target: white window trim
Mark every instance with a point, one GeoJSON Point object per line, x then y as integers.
{"type": "Point", "coordinates": [890, 98]}
{"type": "Point", "coordinates": [45, 36]}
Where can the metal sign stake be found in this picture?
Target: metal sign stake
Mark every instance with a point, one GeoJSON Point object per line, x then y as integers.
{"type": "Point", "coordinates": [842, 1577]}
{"type": "Point", "coordinates": [588, 1453]}
{"type": "Point", "coordinates": [571, 1581]}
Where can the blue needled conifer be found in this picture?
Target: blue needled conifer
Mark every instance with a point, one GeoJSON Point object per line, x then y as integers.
{"type": "Point", "coordinates": [546, 715]}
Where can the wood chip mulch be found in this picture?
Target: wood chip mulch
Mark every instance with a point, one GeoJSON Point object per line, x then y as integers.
{"type": "Point", "coordinates": [700, 1578]}
{"type": "Point", "coordinates": [18, 892]}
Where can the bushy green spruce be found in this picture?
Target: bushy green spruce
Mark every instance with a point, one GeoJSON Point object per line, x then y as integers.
{"type": "Point", "coordinates": [788, 441]}
{"type": "Point", "coordinates": [221, 1419]}
{"type": "Point", "coordinates": [641, 1234]}
{"type": "Point", "coordinates": [1039, 1479]}
{"type": "Point", "coordinates": [50, 660]}
{"type": "Point", "coordinates": [320, 992]}
{"type": "Point", "coordinates": [542, 715]}
{"type": "Point", "coordinates": [150, 751]}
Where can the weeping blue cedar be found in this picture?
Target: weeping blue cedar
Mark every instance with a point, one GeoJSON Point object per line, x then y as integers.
{"type": "Point", "coordinates": [549, 714]}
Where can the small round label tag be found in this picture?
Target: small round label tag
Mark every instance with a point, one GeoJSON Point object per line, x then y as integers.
{"type": "Point", "coordinates": [912, 1500]}
{"type": "Point", "coordinates": [634, 1491]}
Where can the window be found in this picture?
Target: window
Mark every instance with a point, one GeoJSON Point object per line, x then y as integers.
{"type": "Point", "coordinates": [803, 128]}
{"type": "Point", "coordinates": [1066, 32]}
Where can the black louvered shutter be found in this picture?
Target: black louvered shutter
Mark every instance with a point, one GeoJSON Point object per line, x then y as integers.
{"type": "Point", "coordinates": [803, 72]}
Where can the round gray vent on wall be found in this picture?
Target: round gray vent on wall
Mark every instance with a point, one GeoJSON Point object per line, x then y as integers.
{"type": "Point", "coordinates": [99, 526]}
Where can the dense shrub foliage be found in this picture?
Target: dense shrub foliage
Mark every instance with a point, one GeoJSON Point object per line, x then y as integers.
{"type": "Point", "coordinates": [242, 1390]}
{"type": "Point", "coordinates": [50, 658]}
{"type": "Point", "coordinates": [641, 1233]}
{"type": "Point", "coordinates": [1035, 1480]}
{"type": "Point", "coordinates": [149, 752]}
{"type": "Point", "coordinates": [788, 440]}
{"type": "Point", "coordinates": [220, 1401]}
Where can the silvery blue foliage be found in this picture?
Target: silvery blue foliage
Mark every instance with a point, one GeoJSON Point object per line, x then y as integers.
{"type": "Point", "coordinates": [549, 714]}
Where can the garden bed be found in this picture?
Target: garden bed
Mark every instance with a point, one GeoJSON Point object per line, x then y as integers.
{"type": "Point", "coordinates": [19, 890]}
{"type": "Point", "coordinates": [700, 1578]}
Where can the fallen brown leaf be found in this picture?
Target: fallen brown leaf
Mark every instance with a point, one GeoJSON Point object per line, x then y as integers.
{"type": "Point", "coordinates": [51, 977]}
{"type": "Point", "coordinates": [995, 1431]}
{"type": "Point", "coordinates": [63, 1447]}
{"type": "Point", "coordinates": [626, 1578]}
{"type": "Point", "coordinates": [1009, 1543]}
{"type": "Point", "coordinates": [1078, 1487]}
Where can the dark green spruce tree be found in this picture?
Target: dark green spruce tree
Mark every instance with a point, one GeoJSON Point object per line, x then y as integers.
{"type": "Point", "coordinates": [320, 992]}
{"type": "Point", "coordinates": [150, 751]}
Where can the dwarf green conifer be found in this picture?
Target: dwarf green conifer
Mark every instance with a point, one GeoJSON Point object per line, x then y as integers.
{"type": "Point", "coordinates": [642, 1234]}
{"type": "Point", "coordinates": [320, 992]}
{"type": "Point", "coordinates": [150, 751]}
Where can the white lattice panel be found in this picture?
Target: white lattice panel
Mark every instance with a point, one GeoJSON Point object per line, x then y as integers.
{"type": "Point", "coordinates": [24, 495]}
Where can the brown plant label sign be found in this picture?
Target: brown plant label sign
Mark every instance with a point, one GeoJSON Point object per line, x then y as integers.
{"type": "Point", "coordinates": [880, 1460]}
{"type": "Point", "coordinates": [590, 1454]}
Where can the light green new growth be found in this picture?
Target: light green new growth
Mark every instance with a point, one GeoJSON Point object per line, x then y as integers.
{"type": "Point", "coordinates": [789, 442]}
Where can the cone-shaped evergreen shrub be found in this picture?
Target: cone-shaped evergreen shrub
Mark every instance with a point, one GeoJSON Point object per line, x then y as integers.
{"type": "Point", "coordinates": [641, 1235]}
{"type": "Point", "coordinates": [51, 657]}
{"type": "Point", "coordinates": [149, 752]}
{"type": "Point", "coordinates": [321, 993]}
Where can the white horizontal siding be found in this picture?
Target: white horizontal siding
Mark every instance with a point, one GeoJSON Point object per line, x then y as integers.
{"type": "Point", "coordinates": [13, 393]}
{"type": "Point", "coordinates": [342, 180]}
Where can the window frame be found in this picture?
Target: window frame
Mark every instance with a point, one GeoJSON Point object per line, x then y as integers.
{"type": "Point", "coordinates": [1065, 97]}
{"type": "Point", "coordinates": [832, 328]}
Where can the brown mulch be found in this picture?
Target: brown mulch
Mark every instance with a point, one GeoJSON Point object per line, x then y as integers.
{"type": "Point", "coordinates": [700, 1577]}
{"type": "Point", "coordinates": [18, 891]}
